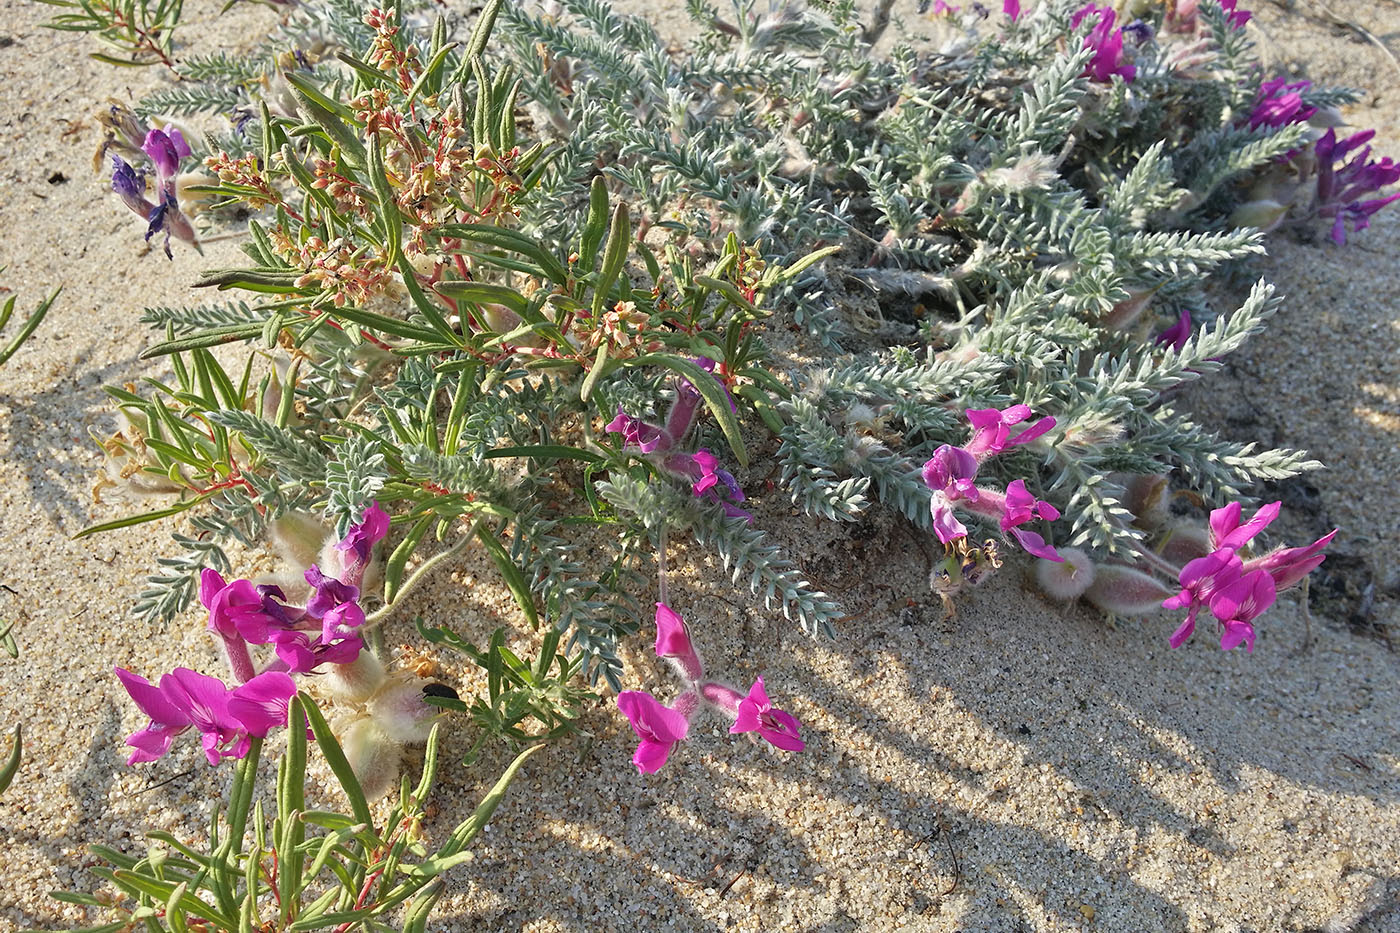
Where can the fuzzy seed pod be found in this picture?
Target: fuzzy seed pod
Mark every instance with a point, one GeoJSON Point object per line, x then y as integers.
{"type": "Point", "coordinates": [1066, 579]}
{"type": "Point", "coordinates": [297, 537]}
{"type": "Point", "coordinates": [357, 681]}
{"type": "Point", "coordinates": [1184, 543]}
{"type": "Point", "coordinates": [373, 755]}
{"type": "Point", "coordinates": [1124, 591]}
{"type": "Point", "coordinates": [1147, 496]}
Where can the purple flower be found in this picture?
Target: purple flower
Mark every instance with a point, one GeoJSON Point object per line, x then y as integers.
{"type": "Point", "coordinates": [130, 186]}
{"type": "Point", "coordinates": [1236, 18]}
{"type": "Point", "coordinates": [637, 434]}
{"type": "Point", "coordinates": [1226, 530]}
{"type": "Point", "coordinates": [1106, 42]}
{"type": "Point", "coordinates": [1139, 31]}
{"type": "Point", "coordinates": [166, 217]}
{"type": "Point", "coordinates": [1238, 604]}
{"type": "Point", "coordinates": [166, 148]}
{"type": "Point", "coordinates": [1012, 9]}
{"type": "Point", "coordinates": [329, 593]}
{"type": "Point", "coordinates": [366, 533]}
{"type": "Point", "coordinates": [708, 481]}
{"type": "Point", "coordinates": [1341, 184]}
{"type": "Point", "coordinates": [991, 432]}
{"type": "Point", "coordinates": [227, 719]}
{"type": "Point", "coordinates": [673, 643]}
{"type": "Point", "coordinates": [1288, 566]}
{"type": "Point", "coordinates": [242, 610]}
{"type": "Point", "coordinates": [1200, 580]}
{"type": "Point", "coordinates": [952, 471]}
{"type": "Point", "coordinates": [756, 714]}
{"type": "Point", "coordinates": [1179, 333]}
{"type": "Point", "coordinates": [1280, 103]}
{"type": "Point", "coordinates": [658, 727]}
{"type": "Point", "coordinates": [302, 654]}
{"type": "Point", "coordinates": [1022, 507]}
{"type": "Point", "coordinates": [950, 474]}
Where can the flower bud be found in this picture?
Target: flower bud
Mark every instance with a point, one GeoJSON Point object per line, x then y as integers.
{"type": "Point", "coordinates": [1184, 543]}
{"type": "Point", "coordinates": [1124, 591]}
{"type": "Point", "coordinates": [1068, 578]}
{"type": "Point", "coordinates": [1264, 215]}
{"type": "Point", "coordinates": [1147, 495]}
{"type": "Point", "coordinates": [1128, 310]}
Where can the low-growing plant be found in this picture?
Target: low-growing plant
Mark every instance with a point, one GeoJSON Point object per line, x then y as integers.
{"type": "Point", "coordinates": [546, 286]}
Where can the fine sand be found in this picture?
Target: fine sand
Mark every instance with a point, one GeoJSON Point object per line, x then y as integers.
{"type": "Point", "coordinates": [1022, 766]}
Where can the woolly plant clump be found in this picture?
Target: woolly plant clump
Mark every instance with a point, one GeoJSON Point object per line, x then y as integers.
{"type": "Point", "coordinates": [539, 284]}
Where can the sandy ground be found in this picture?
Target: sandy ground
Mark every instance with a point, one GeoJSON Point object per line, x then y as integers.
{"type": "Point", "coordinates": [1020, 767]}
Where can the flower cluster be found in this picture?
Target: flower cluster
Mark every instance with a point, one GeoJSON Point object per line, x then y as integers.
{"type": "Point", "coordinates": [1106, 41]}
{"type": "Point", "coordinates": [165, 148]}
{"type": "Point", "coordinates": [1280, 103]}
{"type": "Point", "coordinates": [700, 469]}
{"type": "Point", "coordinates": [951, 475]}
{"type": "Point", "coordinates": [1344, 180]}
{"type": "Point", "coordinates": [1235, 590]}
{"type": "Point", "coordinates": [660, 727]}
{"type": "Point", "coordinates": [241, 613]}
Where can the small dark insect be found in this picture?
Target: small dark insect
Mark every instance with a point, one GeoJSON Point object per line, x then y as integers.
{"type": "Point", "coordinates": [440, 690]}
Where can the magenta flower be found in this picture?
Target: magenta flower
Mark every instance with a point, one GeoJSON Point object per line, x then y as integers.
{"type": "Point", "coordinates": [1012, 9]}
{"type": "Point", "coordinates": [365, 534]}
{"type": "Point", "coordinates": [227, 719]}
{"type": "Point", "coordinates": [1022, 507]}
{"type": "Point", "coordinates": [1238, 604]}
{"type": "Point", "coordinates": [708, 481]}
{"type": "Point", "coordinates": [1200, 580]}
{"type": "Point", "coordinates": [658, 727]}
{"type": "Point", "coordinates": [1288, 566]}
{"type": "Point", "coordinates": [673, 643]}
{"type": "Point", "coordinates": [637, 434]}
{"type": "Point", "coordinates": [166, 148]}
{"type": "Point", "coordinates": [1280, 103]}
{"type": "Point", "coordinates": [991, 430]}
{"type": "Point", "coordinates": [756, 714]}
{"type": "Point", "coordinates": [1236, 17]}
{"type": "Point", "coordinates": [329, 592]}
{"type": "Point", "coordinates": [1341, 184]}
{"type": "Point", "coordinates": [1178, 334]}
{"type": "Point", "coordinates": [1106, 42]}
{"type": "Point", "coordinates": [1226, 530]}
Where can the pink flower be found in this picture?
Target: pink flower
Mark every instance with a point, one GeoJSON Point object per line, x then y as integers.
{"type": "Point", "coordinates": [756, 714]}
{"type": "Point", "coordinates": [1178, 334]}
{"type": "Point", "coordinates": [1012, 8]}
{"type": "Point", "coordinates": [992, 430]}
{"type": "Point", "coordinates": [1200, 580]}
{"type": "Point", "coordinates": [1021, 507]}
{"type": "Point", "coordinates": [1226, 530]}
{"type": "Point", "coordinates": [1288, 566]}
{"type": "Point", "coordinates": [658, 727]}
{"type": "Point", "coordinates": [637, 434]}
{"type": "Point", "coordinates": [227, 719]}
{"type": "Point", "coordinates": [1107, 43]}
{"type": "Point", "coordinates": [364, 535]}
{"type": "Point", "coordinates": [673, 643]}
{"type": "Point", "coordinates": [1238, 604]}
